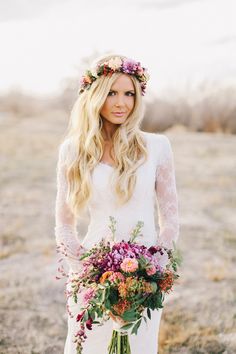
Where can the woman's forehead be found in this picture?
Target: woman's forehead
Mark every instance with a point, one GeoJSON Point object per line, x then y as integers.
{"type": "Point", "coordinates": [123, 82]}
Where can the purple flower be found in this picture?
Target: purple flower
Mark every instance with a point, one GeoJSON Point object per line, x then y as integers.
{"type": "Point", "coordinates": [120, 251]}
{"type": "Point", "coordinates": [130, 66]}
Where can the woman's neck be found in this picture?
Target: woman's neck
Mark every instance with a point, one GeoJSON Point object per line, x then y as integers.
{"type": "Point", "coordinates": [108, 130]}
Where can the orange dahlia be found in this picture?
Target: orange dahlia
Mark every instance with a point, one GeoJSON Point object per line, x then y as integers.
{"type": "Point", "coordinates": [104, 277]}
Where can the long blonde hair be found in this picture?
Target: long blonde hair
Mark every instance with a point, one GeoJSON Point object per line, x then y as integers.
{"type": "Point", "coordinates": [84, 133]}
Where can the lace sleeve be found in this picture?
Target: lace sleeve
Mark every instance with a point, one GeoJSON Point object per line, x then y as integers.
{"type": "Point", "coordinates": [65, 224]}
{"type": "Point", "coordinates": [167, 196]}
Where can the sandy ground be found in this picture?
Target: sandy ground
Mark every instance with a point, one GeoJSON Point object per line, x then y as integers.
{"type": "Point", "coordinates": [199, 317]}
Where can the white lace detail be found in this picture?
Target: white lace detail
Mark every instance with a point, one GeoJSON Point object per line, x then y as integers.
{"type": "Point", "coordinates": [167, 197]}
{"type": "Point", "coordinates": [65, 223]}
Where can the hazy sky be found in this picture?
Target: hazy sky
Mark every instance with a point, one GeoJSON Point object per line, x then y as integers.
{"type": "Point", "coordinates": [180, 41]}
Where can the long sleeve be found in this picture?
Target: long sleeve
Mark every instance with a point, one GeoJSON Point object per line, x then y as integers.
{"type": "Point", "coordinates": [167, 201]}
{"type": "Point", "coordinates": [65, 224]}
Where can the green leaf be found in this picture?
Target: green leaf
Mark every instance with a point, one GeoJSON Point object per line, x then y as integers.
{"type": "Point", "coordinates": [149, 313]}
{"type": "Point", "coordinates": [99, 312]}
{"type": "Point", "coordinates": [136, 327]}
{"type": "Point", "coordinates": [136, 231]}
{"type": "Point", "coordinates": [107, 304]}
{"type": "Point", "coordinates": [140, 301]}
{"type": "Point", "coordinates": [75, 298]}
{"type": "Point", "coordinates": [114, 296]}
{"type": "Point", "coordinates": [127, 326]}
{"type": "Point", "coordinates": [92, 313]}
{"type": "Point", "coordinates": [129, 316]}
{"type": "Point", "coordinates": [86, 316]}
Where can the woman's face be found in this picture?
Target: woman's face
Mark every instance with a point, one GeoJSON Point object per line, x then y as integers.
{"type": "Point", "coordinates": [120, 100]}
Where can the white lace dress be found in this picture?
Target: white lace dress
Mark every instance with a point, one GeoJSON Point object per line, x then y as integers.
{"type": "Point", "coordinates": [155, 183]}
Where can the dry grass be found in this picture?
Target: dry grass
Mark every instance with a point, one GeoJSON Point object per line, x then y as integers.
{"type": "Point", "coordinates": [180, 333]}
{"type": "Point", "coordinates": [217, 270]}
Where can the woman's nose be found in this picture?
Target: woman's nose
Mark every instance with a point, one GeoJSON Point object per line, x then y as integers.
{"type": "Point", "coordinates": [119, 101]}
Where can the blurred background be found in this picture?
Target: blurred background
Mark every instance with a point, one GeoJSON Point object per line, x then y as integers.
{"type": "Point", "coordinates": [189, 47]}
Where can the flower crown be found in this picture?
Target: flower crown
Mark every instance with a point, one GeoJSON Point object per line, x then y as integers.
{"type": "Point", "coordinates": [115, 65]}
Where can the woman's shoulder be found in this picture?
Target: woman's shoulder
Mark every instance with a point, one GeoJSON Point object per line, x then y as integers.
{"type": "Point", "coordinates": [156, 139]}
{"type": "Point", "coordinates": [66, 149]}
{"type": "Point", "coordinates": [159, 146]}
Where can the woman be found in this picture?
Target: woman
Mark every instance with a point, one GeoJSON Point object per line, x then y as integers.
{"type": "Point", "coordinates": [108, 165]}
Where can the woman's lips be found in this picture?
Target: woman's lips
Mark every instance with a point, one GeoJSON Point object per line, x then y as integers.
{"type": "Point", "coordinates": [118, 114]}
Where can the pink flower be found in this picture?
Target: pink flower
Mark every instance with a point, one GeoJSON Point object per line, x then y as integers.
{"type": "Point", "coordinates": [88, 295]}
{"type": "Point", "coordinates": [129, 265]}
{"type": "Point", "coordinates": [162, 259]}
{"type": "Point", "coordinates": [151, 270]}
{"type": "Point", "coordinates": [116, 276]}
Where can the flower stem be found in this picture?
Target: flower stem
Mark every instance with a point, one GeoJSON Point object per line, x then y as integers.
{"type": "Point", "coordinates": [119, 344]}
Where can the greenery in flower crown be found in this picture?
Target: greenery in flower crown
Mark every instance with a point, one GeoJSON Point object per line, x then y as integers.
{"type": "Point", "coordinates": [115, 65]}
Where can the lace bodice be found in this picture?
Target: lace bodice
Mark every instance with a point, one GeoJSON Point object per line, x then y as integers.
{"type": "Point", "coordinates": [155, 183]}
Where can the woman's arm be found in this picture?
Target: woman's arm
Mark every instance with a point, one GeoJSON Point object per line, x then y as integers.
{"type": "Point", "coordinates": [167, 201]}
{"type": "Point", "coordinates": [65, 224]}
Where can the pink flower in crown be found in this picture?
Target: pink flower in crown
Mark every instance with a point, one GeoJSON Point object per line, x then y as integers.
{"type": "Point", "coordinates": [140, 71]}
{"type": "Point", "coordinates": [129, 265]}
{"type": "Point", "coordinates": [87, 79]}
{"type": "Point", "coordinates": [82, 80]}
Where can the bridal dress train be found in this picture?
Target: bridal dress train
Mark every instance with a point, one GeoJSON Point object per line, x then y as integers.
{"type": "Point", "coordinates": [155, 184]}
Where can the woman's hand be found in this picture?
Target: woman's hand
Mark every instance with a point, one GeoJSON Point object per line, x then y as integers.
{"type": "Point", "coordinates": [118, 319]}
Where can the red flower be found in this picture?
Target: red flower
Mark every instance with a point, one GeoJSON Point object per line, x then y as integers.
{"type": "Point", "coordinates": [152, 249]}
{"type": "Point", "coordinates": [80, 316]}
{"type": "Point", "coordinates": [89, 323]}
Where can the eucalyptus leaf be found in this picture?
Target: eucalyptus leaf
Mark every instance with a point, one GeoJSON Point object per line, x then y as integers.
{"type": "Point", "coordinates": [127, 326]}
{"type": "Point", "coordinates": [86, 316]}
{"type": "Point", "coordinates": [136, 327]}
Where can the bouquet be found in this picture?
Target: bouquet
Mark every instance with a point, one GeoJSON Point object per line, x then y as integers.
{"type": "Point", "coordinates": [123, 281]}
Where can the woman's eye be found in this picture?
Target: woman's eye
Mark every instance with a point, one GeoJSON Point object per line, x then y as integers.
{"type": "Point", "coordinates": [128, 93]}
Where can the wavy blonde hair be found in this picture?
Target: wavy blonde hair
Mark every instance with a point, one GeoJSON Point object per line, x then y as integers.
{"type": "Point", "coordinates": [84, 133]}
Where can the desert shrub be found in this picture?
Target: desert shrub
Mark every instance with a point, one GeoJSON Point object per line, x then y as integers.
{"type": "Point", "coordinates": [212, 111]}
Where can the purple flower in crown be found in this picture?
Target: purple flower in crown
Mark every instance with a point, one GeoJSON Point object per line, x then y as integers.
{"type": "Point", "coordinates": [130, 66]}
